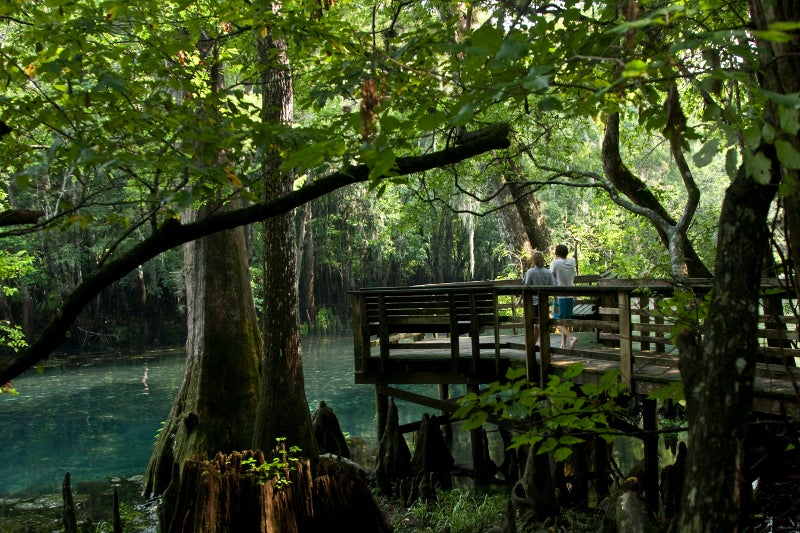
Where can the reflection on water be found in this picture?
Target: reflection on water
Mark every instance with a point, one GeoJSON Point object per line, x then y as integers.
{"type": "Point", "coordinates": [100, 421]}
{"type": "Point", "coordinates": [94, 421]}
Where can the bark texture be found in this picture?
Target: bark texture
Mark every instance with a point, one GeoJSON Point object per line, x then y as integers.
{"type": "Point", "coordinates": [522, 221]}
{"type": "Point", "coordinates": [328, 432]}
{"type": "Point", "coordinates": [228, 494]}
{"type": "Point", "coordinates": [282, 408]}
{"type": "Point", "coordinates": [718, 372]}
{"type": "Point", "coordinates": [214, 410]}
{"type": "Point", "coordinates": [640, 194]}
{"type": "Point", "coordinates": [534, 495]}
{"type": "Point", "coordinates": [394, 457]}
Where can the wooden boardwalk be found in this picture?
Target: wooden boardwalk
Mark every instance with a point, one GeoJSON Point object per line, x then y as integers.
{"type": "Point", "coordinates": [404, 335]}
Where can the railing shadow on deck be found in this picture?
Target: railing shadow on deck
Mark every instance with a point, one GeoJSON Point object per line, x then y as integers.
{"type": "Point", "coordinates": [472, 332]}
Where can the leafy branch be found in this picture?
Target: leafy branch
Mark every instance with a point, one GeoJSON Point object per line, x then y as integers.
{"type": "Point", "coordinates": [555, 417]}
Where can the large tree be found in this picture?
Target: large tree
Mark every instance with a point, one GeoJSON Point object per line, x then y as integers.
{"type": "Point", "coordinates": [215, 408]}
{"type": "Point", "coordinates": [718, 368]}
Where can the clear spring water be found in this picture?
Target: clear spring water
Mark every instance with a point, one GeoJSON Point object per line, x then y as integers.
{"type": "Point", "coordinates": [99, 420]}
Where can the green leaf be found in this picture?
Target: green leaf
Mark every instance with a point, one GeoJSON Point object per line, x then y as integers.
{"type": "Point", "coordinates": [512, 49]}
{"type": "Point", "coordinates": [487, 38]}
{"type": "Point", "coordinates": [513, 374]}
{"type": "Point", "coordinates": [768, 132]}
{"type": "Point", "coordinates": [431, 121]}
{"type": "Point", "coordinates": [464, 114]}
{"type": "Point", "coordinates": [732, 162]}
{"type": "Point", "coordinates": [707, 153]}
{"type": "Point", "coordinates": [569, 440]}
{"type": "Point", "coordinates": [610, 379]}
{"type": "Point", "coordinates": [758, 166]}
{"type": "Point", "coordinates": [752, 136]}
{"type": "Point", "coordinates": [785, 26]}
{"type": "Point", "coordinates": [791, 101]}
{"type": "Point", "coordinates": [389, 123]}
{"type": "Point", "coordinates": [561, 454]}
{"type": "Point", "coordinates": [534, 83]}
{"type": "Point", "coordinates": [671, 391]}
{"type": "Point", "coordinates": [573, 370]}
{"type": "Point", "coordinates": [635, 69]}
{"type": "Point", "coordinates": [517, 411]}
{"type": "Point", "coordinates": [476, 420]}
{"type": "Point", "coordinates": [787, 154]}
{"type": "Point", "coordinates": [773, 36]}
{"type": "Point", "coordinates": [788, 117]}
{"type": "Point", "coordinates": [549, 103]}
{"type": "Point", "coordinates": [549, 445]}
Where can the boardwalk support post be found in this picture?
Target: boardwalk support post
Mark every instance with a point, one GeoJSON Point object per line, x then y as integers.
{"type": "Point", "coordinates": [650, 426]}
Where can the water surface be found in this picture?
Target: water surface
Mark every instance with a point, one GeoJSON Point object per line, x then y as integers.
{"type": "Point", "coordinates": [100, 420]}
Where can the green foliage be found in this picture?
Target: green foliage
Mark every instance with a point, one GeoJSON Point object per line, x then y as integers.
{"type": "Point", "coordinates": [117, 127]}
{"type": "Point", "coordinates": [12, 266]}
{"type": "Point", "coordinates": [673, 391]}
{"type": "Point", "coordinates": [327, 321]}
{"type": "Point", "coordinates": [283, 461]}
{"type": "Point", "coordinates": [686, 311]}
{"type": "Point", "coordinates": [458, 511]}
{"type": "Point", "coordinates": [552, 418]}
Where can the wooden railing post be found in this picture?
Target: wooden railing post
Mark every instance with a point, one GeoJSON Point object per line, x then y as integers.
{"type": "Point", "coordinates": [544, 336]}
{"type": "Point", "coordinates": [644, 318]}
{"type": "Point", "coordinates": [360, 331]}
{"type": "Point", "coordinates": [474, 333]}
{"type": "Point", "coordinates": [530, 340]}
{"type": "Point", "coordinates": [453, 331]}
{"type": "Point", "coordinates": [496, 300]}
{"type": "Point", "coordinates": [383, 333]}
{"type": "Point", "coordinates": [625, 342]}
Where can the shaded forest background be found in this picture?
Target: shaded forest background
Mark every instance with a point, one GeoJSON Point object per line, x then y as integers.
{"type": "Point", "coordinates": [431, 233]}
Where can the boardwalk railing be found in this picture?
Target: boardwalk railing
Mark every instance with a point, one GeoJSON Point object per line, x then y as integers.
{"type": "Point", "coordinates": [472, 332]}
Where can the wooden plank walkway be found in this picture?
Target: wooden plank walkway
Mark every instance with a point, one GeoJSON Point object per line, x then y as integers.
{"type": "Point", "coordinates": [403, 335]}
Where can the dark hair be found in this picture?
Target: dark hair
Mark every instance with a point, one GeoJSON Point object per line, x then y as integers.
{"type": "Point", "coordinates": [561, 250]}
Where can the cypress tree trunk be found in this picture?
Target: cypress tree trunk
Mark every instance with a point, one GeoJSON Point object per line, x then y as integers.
{"type": "Point", "coordinates": [282, 409]}
{"type": "Point", "coordinates": [215, 408]}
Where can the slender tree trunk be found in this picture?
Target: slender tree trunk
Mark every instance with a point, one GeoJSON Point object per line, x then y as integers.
{"type": "Point", "coordinates": [639, 193]}
{"type": "Point", "coordinates": [718, 372]}
{"type": "Point", "coordinates": [282, 409]}
{"type": "Point", "coordinates": [307, 267]}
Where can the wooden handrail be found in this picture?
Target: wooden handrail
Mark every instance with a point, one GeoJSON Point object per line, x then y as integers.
{"type": "Point", "coordinates": [624, 315]}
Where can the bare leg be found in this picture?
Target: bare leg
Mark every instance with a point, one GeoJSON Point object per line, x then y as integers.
{"type": "Point", "coordinates": [567, 334]}
{"type": "Point", "coordinates": [573, 341]}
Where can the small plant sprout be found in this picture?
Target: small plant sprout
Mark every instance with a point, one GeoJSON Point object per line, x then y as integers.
{"type": "Point", "coordinates": [284, 461]}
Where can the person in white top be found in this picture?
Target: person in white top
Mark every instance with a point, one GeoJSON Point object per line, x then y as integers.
{"type": "Point", "coordinates": [563, 270]}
